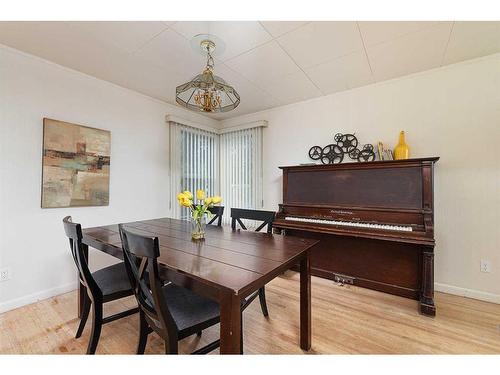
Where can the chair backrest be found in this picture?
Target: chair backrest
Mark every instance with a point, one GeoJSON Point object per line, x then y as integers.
{"type": "Point", "coordinates": [140, 254]}
{"type": "Point", "coordinates": [74, 233]}
{"type": "Point", "coordinates": [217, 211]}
{"type": "Point", "coordinates": [267, 218]}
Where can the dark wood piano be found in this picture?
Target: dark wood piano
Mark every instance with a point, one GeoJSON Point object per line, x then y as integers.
{"type": "Point", "coordinates": [375, 221]}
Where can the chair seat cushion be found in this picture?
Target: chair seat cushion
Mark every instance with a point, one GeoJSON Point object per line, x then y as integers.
{"type": "Point", "coordinates": [190, 309]}
{"type": "Point", "coordinates": [113, 279]}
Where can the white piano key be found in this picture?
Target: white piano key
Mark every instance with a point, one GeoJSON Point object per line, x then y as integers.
{"type": "Point", "coordinates": [351, 224]}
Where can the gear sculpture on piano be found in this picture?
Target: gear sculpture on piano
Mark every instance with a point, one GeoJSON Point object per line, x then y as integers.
{"type": "Point", "coordinates": [345, 144]}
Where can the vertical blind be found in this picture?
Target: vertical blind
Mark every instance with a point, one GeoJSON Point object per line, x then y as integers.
{"type": "Point", "coordinates": [241, 170]}
{"type": "Point", "coordinates": [194, 162]}
{"type": "Point", "coordinates": [229, 165]}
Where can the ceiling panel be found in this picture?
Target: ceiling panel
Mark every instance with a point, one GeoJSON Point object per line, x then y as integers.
{"type": "Point", "coordinates": [472, 39]}
{"type": "Point", "coordinates": [410, 53]}
{"type": "Point", "coordinates": [173, 53]}
{"type": "Point", "coordinates": [238, 37]}
{"type": "Point", "coordinates": [263, 63]}
{"type": "Point", "coordinates": [278, 28]}
{"type": "Point", "coordinates": [374, 32]}
{"type": "Point", "coordinates": [318, 42]}
{"type": "Point", "coordinates": [128, 36]}
{"type": "Point", "coordinates": [343, 73]}
{"type": "Point", "coordinates": [291, 88]}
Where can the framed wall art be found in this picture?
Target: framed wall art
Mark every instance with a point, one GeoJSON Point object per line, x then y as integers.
{"type": "Point", "coordinates": [76, 165]}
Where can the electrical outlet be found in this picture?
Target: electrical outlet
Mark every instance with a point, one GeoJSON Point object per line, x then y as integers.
{"type": "Point", "coordinates": [485, 265]}
{"type": "Point", "coordinates": [5, 274]}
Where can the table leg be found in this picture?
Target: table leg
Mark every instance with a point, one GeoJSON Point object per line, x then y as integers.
{"type": "Point", "coordinates": [230, 324]}
{"type": "Point", "coordinates": [305, 303]}
{"type": "Point", "coordinates": [81, 288]}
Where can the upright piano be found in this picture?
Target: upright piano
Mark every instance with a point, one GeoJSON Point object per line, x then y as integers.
{"type": "Point", "coordinates": [374, 220]}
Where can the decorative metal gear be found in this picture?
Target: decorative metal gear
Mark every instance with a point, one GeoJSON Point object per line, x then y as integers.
{"type": "Point", "coordinates": [354, 154]}
{"type": "Point", "coordinates": [348, 142]}
{"type": "Point", "coordinates": [338, 137]}
{"type": "Point", "coordinates": [366, 155]}
{"type": "Point", "coordinates": [332, 154]}
{"type": "Point", "coordinates": [315, 152]}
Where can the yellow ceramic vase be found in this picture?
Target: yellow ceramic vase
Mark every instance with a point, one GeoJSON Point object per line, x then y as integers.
{"type": "Point", "coordinates": [401, 151]}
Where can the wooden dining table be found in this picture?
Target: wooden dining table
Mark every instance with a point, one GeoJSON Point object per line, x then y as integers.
{"type": "Point", "coordinates": [227, 266]}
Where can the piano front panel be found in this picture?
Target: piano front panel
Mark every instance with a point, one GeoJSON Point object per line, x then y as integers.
{"type": "Point", "coordinates": [385, 266]}
{"type": "Point", "coordinates": [381, 187]}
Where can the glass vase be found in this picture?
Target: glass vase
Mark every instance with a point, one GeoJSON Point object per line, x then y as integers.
{"type": "Point", "coordinates": [198, 228]}
{"type": "Point", "coordinates": [401, 151]}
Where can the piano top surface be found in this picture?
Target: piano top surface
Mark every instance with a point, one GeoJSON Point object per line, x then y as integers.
{"type": "Point", "coordinates": [355, 164]}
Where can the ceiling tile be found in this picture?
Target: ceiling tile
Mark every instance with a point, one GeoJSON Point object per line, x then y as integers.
{"type": "Point", "coordinates": [472, 39]}
{"type": "Point", "coordinates": [173, 53]}
{"type": "Point", "coordinates": [59, 42]}
{"type": "Point", "coordinates": [263, 63]}
{"type": "Point", "coordinates": [374, 32]}
{"type": "Point", "coordinates": [409, 53]}
{"type": "Point", "coordinates": [343, 73]}
{"type": "Point", "coordinates": [318, 42]}
{"type": "Point", "coordinates": [127, 35]}
{"type": "Point", "coordinates": [291, 88]}
{"type": "Point", "coordinates": [238, 37]}
{"type": "Point", "coordinates": [278, 28]}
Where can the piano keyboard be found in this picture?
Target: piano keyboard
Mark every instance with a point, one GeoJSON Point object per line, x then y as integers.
{"type": "Point", "coordinates": [351, 224]}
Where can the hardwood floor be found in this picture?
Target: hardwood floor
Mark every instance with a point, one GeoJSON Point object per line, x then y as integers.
{"type": "Point", "coordinates": [346, 320]}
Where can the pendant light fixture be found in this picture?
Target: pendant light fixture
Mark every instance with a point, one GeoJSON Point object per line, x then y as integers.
{"type": "Point", "coordinates": [207, 92]}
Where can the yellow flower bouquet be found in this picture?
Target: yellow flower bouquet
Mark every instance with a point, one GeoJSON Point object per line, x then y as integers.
{"type": "Point", "coordinates": [199, 209]}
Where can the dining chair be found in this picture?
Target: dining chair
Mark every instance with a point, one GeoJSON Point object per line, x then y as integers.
{"type": "Point", "coordinates": [217, 211]}
{"type": "Point", "coordinates": [105, 285]}
{"type": "Point", "coordinates": [267, 218]}
{"type": "Point", "coordinates": [173, 312]}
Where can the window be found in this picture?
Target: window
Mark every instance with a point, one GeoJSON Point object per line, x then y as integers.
{"type": "Point", "coordinates": [228, 164]}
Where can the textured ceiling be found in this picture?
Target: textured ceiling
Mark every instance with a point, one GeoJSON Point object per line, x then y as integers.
{"type": "Point", "coordinates": [269, 63]}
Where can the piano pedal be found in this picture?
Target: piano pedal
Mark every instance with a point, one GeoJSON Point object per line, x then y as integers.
{"type": "Point", "coordinates": [342, 280]}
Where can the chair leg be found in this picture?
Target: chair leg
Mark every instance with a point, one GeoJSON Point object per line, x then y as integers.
{"type": "Point", "coordinates": [198, 333]}
{"type": "Point", "coordinates": [263, 303]}
{"type": "Point", "coordinates": [85, 315]}
{"type": "Point", "coordinates": [171, 347]}
{"type": "Point", "coordinates": [96, 326]}
{"type": "Point", "coordinates": [143, 333]}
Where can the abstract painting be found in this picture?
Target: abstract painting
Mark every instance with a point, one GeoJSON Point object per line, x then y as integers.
{"type": "Point", "coordinates": [76, 162]}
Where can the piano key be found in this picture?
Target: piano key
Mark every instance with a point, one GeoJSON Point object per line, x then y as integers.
{"type": "Point", "coordinates": [400, 228]}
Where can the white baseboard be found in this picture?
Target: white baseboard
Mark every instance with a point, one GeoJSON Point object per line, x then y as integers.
{"type": "Point", "coordinates": [35, 297]}
{"type": "Point", "coordinates": [469, 293]}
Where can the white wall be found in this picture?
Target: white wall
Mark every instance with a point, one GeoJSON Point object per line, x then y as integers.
{"type": "Point", "coordinates": [32, 241]}
{"type": "Point", "coordinates": [452, 112]}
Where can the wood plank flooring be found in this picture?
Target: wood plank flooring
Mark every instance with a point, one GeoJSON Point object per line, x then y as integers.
{"type": "Point", "coordinates": [346, 320]}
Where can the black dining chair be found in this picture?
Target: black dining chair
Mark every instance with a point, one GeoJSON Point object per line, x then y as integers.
{"type": "Point", "coordinates": [217, 211]}
{"type": "Point", "coordinates": [105, 285]}
{"type": "Point", "coordinates": [267, 218]}
{"type": "Point", "coordinates": [173, 312]}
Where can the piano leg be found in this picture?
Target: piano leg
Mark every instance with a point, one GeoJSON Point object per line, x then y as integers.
{"type": "Point", "coordinates": [427, 306]}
